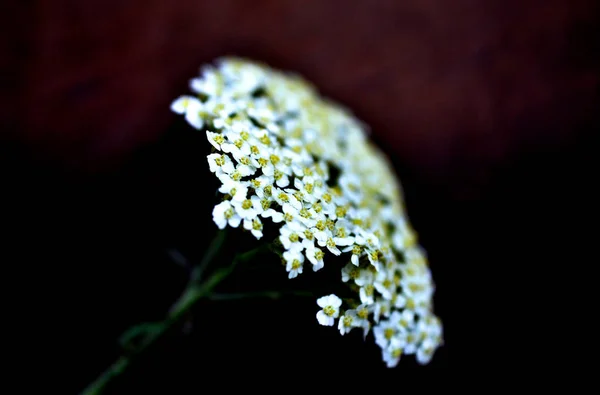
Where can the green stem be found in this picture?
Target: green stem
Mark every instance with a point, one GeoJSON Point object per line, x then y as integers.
{"type": "Point", "coordinates": [193, 292]}
{"type": "Point", "coordinates": [213, 250]}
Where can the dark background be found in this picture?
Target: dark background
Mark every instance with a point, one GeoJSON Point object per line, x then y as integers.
{"type": "Point", "coordinates": [488, 109]}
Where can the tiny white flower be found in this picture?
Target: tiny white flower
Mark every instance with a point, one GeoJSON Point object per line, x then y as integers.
{"type": "Point", "coordinates": [262, 205]}
{"type": "Point", "coordinates": [220, 164]}
{"type": "Point", "coordinates": [263, 187]}
{"type": "Point", "coordinates": [192, 108]}
{"type": "Point", "coordinates": [294, 262]}
{"type": "Point", "coordinates": [399, 301]}
{"type": "Point", "coordinates": [245, 209]}
{"type": "Point", "coordinates": [246, 166]}
{"type": "Point", "coordinates": [238, 148]}
{"type": "Point", "coordinates": [362, 318]}
{"type": "Point", "coordinates": [357, 252]}
{"type": "Point", "coordinates": [365, 277]}
{"type": "Point", "coordinates": [367, 239]}
{"type": "Point", "coordinates": [289, 237]}
{"type": "Point", "coordinates": [384, 332]}
{"type": "Point", "coordinates": [343, 241]}
{"type": "Point", "coordinates": [306, 185]}
{"type": "Point", "coordinates": [181, 104]}
{"type": "Point", "coordinates": [215, 139]}
{"type": "Point", "coordinates": [406, 320]}
{"type": "Point", "coordinates": [315, 256]}
{"type": "Point", "coordinates": [384, 284]}
{"type": "Point", "coordinates": [350, 272]}
{"type": "Point", "coordinates": [367, 294]}
{"type": "Point", "coordinates": [382, 308]}
{"type": "Point", "coordinates": [374, 256]}
{"type": "Point", "coordinates": [255, 226]}
{"type": "Point", "coordinates": [392, 354]}
{"type": "Point", "coordinates": [348, 321]}
{"type": "Point", "coordinates": [404, 237]}
{"type": "Point", "coordinates": [210, 83]}
{"type": "Point", "coordinates": [281, 179]}
{"type": "Point", "coordinates": [412, 342]}
{"type": "Point", "coordinates": [330, 305]}
{"type": "Point", "coordinates": [275, 216]}
{"type": "Point", "coordinates": [351, 185]}
{"type": "Point", "coordinates": [286, 199]}
{"type": "Point", "coordinates": [225, 214]}
{"type": "Point", "coordinates": [236, 189]}
{"type": "Point", "coordinates": [327, 241]}
{"type": "Point", "coordinates": [425, 351]}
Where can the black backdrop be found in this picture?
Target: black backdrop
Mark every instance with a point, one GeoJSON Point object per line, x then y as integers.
{"type": "Point", "coordinates": [501, 193]}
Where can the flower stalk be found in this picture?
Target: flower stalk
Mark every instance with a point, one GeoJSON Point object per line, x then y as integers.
{"type": "Point", "coordinates": [149, 333]}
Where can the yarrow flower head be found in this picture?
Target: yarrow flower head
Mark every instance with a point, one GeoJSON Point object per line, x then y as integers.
{"type": "Point", "coordinates": [287, 157]}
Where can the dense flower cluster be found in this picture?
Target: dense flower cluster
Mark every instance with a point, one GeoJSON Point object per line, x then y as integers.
{"type": "Point", "coordinates": [285, 155]}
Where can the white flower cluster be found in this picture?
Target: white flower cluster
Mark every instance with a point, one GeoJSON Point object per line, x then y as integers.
{"type": "Point", "coordinates": [285, 155]}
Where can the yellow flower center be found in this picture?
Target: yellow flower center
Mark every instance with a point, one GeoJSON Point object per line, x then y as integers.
{"type": "Point", "coordinates": [236, 176]}
{"type": "Point", "coordinates": [388, 333]}
{"type": "Point", "coordinates": [320, 225]}
{"type": "Point", "coordinates": [265, 204]}
{"type": "Point", "coordinates": [283, 197]}
{"type": "Point", "coordinates": [265, 140]}
{"type": "Point", "coordinates": [341, 211]}
{"type": "Point", "coordinates": [274, 159]}
{"type": "Point", "coordinates": [220, 161]}
{"type": "Point", "coordinates": [363, 313]}
{"type": "Point", "coordinates": [330, 224]}
{"type": "Point", "coordinates": [348, 320]}
{"type": "Point", "coordinates": [319, 254]}
{"type": "Point", "coordinates": [219, 139]}
{"type": "Point", "coordinates": [296, 264]}
{"type": "Point", "coordinates": [244, 160]}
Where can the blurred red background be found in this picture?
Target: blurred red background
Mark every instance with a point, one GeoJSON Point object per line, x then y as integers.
{"type": "Point", "coordinates": [441, 83]}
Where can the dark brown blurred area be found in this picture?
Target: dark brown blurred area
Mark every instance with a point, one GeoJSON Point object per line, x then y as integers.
{"type": "Point", "coordinates": [440, 82]}
{"type": "Point", "coordinates": [490, 110]}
